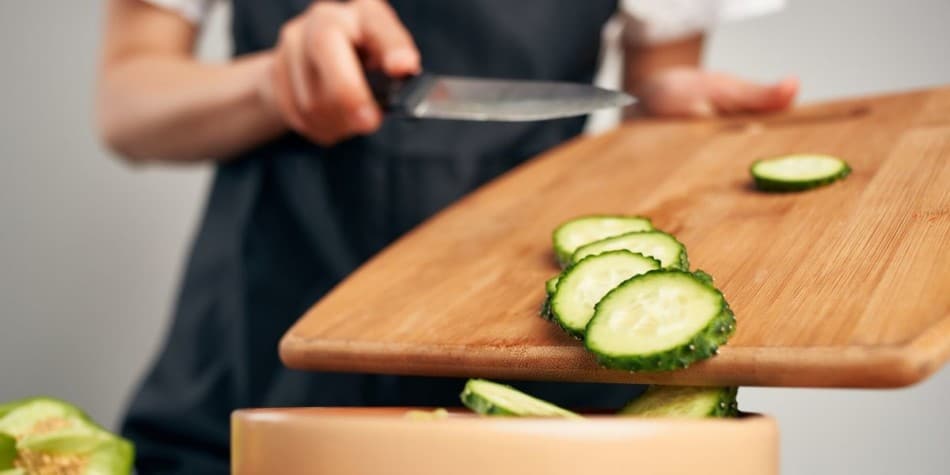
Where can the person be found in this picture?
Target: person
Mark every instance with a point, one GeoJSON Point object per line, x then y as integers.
{"type": "Point", "coordinates": [311, 178]}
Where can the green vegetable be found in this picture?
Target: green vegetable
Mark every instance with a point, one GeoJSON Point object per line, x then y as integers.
{"type": "Point", "coordinates": [689, 402]}
{"type": "Point", "coordinates": [797, 172]}
{"type": "Point", "coordinates": [53, 436]}
{"type": "Point", "coordinates": [549, 287]}
{"type": "Point", "coordinates": [420, 415]}
{"type": "Point", "coordinates": [587, 229]}
{"type": "Point", "coordinates": [656, 244]}
{"type": "Point", "coordinates": [659, 321]}
{"type": "Point", "coordinates": [493, 399]}
{"type": "Point", "coordinates": [7, 451]}
{"type": "Point", "coordinates": [585, 283]}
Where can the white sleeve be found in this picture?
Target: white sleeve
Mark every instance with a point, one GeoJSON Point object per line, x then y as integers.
{"type": "Point", "coordinates": [194, 11]}
{"type": "Point", "coordinates": [658, 21]}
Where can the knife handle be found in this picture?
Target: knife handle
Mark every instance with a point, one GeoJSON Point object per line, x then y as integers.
{"type": "Point", "coordinates": [398, 96]}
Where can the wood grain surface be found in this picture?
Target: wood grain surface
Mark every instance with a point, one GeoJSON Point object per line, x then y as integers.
{"type": "Point", "coordinates": [843, 286]}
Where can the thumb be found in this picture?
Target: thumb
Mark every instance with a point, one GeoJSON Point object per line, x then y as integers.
{"type": "Point", "coordinates": [731, 94]}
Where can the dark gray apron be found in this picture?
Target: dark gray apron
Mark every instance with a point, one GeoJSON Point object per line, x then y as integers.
{"type": "Point", "coordinates": [287, 221]}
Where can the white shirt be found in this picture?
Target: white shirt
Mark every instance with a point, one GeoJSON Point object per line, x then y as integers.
{"type": "Point", "coordinates": [645, 21]}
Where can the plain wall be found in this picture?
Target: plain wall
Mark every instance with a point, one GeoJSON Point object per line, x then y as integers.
{"type": "Point", "coordinates": [90, 248]}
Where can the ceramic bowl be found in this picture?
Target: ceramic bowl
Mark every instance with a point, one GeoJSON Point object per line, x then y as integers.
{"type": "Point", "coordinates": [356, 441]}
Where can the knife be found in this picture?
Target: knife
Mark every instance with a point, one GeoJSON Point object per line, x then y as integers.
{"type": "Point", "coordinates": [430, 96]}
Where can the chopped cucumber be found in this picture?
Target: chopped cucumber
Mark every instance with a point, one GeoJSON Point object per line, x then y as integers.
{"type": "Point", "coordinates": [656, 244]}
{"type": "Point", "coordinates": [797, 172]}
{"type": "Point", "coordinates": [659, 321]}
{"type": "Point", "coordinates": [689, 402]}
{"type": "Point", "coordinates": [433, 415]}
{"type": "Point", "coordinates": [54, 435]}
{"type": "Point", "coordinates": [493, 399]}
{"type": "Point", "coordinates": [585, 283]}
{"type": "Point", "coordinates": [587, 229]}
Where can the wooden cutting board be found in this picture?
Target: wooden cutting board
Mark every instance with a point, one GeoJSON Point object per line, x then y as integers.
{"type": "Point", "coordinates": [842, 286]}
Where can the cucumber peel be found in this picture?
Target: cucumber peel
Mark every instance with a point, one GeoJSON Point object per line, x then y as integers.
{"type": "Point", "coordinates": [549, 287]}
{"type": "Point", "coordinates": [494, 399]}
{"type": "Point", "coordinates": [684, 402]}
{"type": "Point", "coordinates": [586, 229]}
{"type": "Point", "coordinates": [797, 172]}
{"type": "Point", "coordinates": [551, 284]}
{"type": "Point", "coordinates": [659, 321]}
{"type": "Point", "coordinates": [656, 244]}
{"type": "Point", "coordinates": [583, 285]}
{"type": "Point", "coordinates": [7, 451]}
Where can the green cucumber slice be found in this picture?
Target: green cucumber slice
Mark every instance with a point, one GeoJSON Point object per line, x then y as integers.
{"type": "Point", "coordinates": [656, 244]}
{"type": "Point", "coordinates": [797, 172]}
{"type": "Point", "coordinates": [585, 283]}
{"type": "Point", "coordinates": [55, 435]}
{"type": "Point", "coordinates": [421, 415]}
{"type": "Point", "coordinates": [493, 399]}
{"type": "Point", "coordinates": [587, 229]}
{"type": "Point", "coordinates": [684, 401]}
{"type": "Point", "coordinates": [659, 321]}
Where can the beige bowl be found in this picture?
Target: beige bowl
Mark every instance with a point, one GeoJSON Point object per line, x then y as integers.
{"type": "Point", "coordinates": [337, 441]}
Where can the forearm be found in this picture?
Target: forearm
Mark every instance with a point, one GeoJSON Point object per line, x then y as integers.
{"type": "Point", "coordinates": [176, 109]}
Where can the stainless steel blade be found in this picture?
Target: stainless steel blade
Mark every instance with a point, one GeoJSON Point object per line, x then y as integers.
{"type": "Point", "coordinates": [450, 97]}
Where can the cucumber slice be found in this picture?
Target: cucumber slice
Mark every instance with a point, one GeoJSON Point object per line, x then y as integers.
{"type": "Point", "coordinates": [659, 321]}
{"type": "Point", "coordinates": [433, 415]}
{"type": "Point", "coordinates": [493, 399]}
{"type": "Point", "coordinates": [53, 436]}
{"type": "Point", "coordinates": [681, 401]}
{"type": "Point", "coordinates": [585, 283]}
{"type": "Point", "coordinates": [656, 244]}
{"type": "Point", "coordinates": [797, 172]}
{"type": "Point", "coordinates": [587, 229]}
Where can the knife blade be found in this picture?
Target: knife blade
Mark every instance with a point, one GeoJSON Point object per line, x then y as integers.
{"type": "Point", "coordinates": [430, 96]}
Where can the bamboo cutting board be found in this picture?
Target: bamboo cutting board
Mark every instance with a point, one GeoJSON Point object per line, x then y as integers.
{"type": "Point", "coordinates": [843, 286]}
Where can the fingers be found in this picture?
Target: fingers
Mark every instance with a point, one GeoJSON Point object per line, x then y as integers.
{"type": "Point", "coordinates": [342, 89]}
{"type": "Point", "coordinates": [729, 94]}
{"type": "Point", "coordinates": [690, 92]}
{"type": "Point", "coordinates": [386, 40]}
{"type": "Point", "coordinates": [318, 81]}
{"type": "Point", "coordinates": [676, 92]}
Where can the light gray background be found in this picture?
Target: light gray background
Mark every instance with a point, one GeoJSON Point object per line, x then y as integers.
{"type": "Point", "coordinates": [90, 248]}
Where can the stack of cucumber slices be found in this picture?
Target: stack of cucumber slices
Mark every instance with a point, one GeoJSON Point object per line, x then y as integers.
{"type": "Point", "coordinates": [627, 291]}
{"type": "Point", "coordinates": [49, 436]}
{"type": "Point", "coordinates": [631, 296]}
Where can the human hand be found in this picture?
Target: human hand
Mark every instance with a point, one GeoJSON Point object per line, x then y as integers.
{"type": "Point", "coordinates": [316, 81]}
{"type": "Point", "coordinates": [692, 92]}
